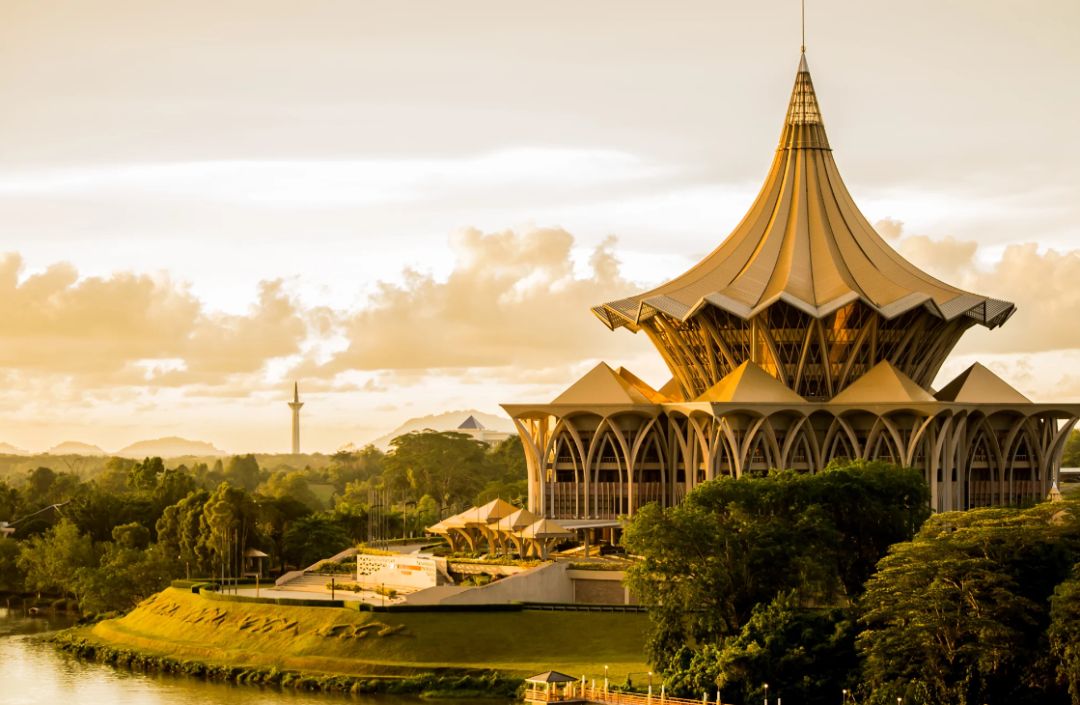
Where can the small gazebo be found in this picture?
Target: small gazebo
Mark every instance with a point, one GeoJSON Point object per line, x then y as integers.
{"type": "Point", "coordinates": [550, 687]}
{"type": "Point", "coordinates": [253, 559]}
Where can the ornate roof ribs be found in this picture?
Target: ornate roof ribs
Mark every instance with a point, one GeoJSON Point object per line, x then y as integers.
{"type": "Point", "coordinates": [804, 242]}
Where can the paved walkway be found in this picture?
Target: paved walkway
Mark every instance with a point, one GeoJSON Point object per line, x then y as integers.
{"type": "Point", "coordinates": [364, 596]}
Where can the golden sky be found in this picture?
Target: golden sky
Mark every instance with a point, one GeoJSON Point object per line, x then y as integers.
{"type": "Point", "coordinates": [410, 206]}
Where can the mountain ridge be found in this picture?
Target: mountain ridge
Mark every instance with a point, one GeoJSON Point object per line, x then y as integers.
{"type": "Point", "coordinates": [445, 421]}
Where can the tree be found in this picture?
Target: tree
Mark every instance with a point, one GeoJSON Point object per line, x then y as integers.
{"type": "Point", "coordinates": [508, 460]}
{"type": "Point", "coordinates": [171, 487]}
{"type": "Point", "coordinates": [293, 484]}
{"type": "Point", "coordinates": [243, 471]}
{"type": "Point", "coordinates": [49, 561]}
{"type": "Point", "coordinates": [144, 476]}
{"type": "Point", "coordinates": [114, 476]}
{"type": "Point", "coordinates": [276, 514]}
{"type": "Point", "coordinates": [179, 532]}
{"type": "Point", "coordinates": [10, 502]}
{"type": "Point", "coordinates": [1071, 456]}
{"type": "Point", "coordinates": [227, 525]}
{"type": "Point", "coordinates": [96, 511]}
{"type": "Point", "coordinates": [12, 577]}
{"type": "Point", "coordinates": [960, 613]}
{"type": "Point", "coordinates": [311, 539]}
{"type": "Point", "coordinates": [804, 654]}
{"type": "Point", "coordinates": [449, 466]}
{"type": "Point", "coordinates": [363, 465]}
{"type": "Point", "coordinates": [1064, 633]}
{"type": "Point", "coordinates": [734, 543]}
{"type": "Point", "coordinates": [130, 571]}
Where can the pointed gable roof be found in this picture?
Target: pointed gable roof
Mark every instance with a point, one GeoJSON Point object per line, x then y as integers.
{"type": "Point", "coordinates": [634, 381]}
{"type": "Point", "coordinates": [602, 385]}
{"type": "Point", "coordinates": [883, 384]}
{"type": "Point", "coordinates": [672, 391]}
{"type": "Point", "coordinates": [492, 511]}
{"type": "Point", "coordinates": [551, 677]}
{"type": "Point", "coordinates": [545, 529]}
{"type": "Point", "coordinates": [472, 424]}
{"type": "Point", "coordinates": [978, 385]}
{"type": "Point", "coordinates": [750, 384]}
{"type": "Point", "coordinates": [804, 241]}
{"type": "Point", "coordinates": [517, 521]}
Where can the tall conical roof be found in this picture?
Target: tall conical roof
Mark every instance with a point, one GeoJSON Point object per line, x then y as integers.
{"type": "Point", "coordinates": [805, 242]}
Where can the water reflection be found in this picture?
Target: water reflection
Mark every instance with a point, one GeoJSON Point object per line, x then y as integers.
{"type": "Point", "coordinates": [33, 673]}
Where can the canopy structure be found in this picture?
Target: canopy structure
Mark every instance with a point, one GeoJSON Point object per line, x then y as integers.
{"type": "Point", "coordinates": [803, 286]}
{"type": "Point", "coordinates": [503, 526]}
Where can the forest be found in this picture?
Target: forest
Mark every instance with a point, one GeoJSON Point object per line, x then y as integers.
{"type": "Point", "coordinates": [107, 533]}
{"type": "Point", "coordinates": [841, 586]}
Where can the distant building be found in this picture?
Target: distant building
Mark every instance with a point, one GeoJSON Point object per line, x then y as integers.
{"type": "Point", "coordinates": [472, 427]}
{"type": "Point", "coordinates": [295, 405]}
{"type": "Point", "coordinates": [803, 338]}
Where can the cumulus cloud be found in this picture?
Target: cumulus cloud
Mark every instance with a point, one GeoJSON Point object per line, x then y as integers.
{"type": "Point", "coordinates": [1043, 283]}
{"type": "Point", "coordinates": [889, 228]}
{"type": "Point", "coordinates": [128, 328]}
{"type": "Point", "coordinates": [511, 300]}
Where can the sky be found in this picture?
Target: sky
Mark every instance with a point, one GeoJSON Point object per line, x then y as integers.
{"type": "Point", "coordinates": [409, 207]}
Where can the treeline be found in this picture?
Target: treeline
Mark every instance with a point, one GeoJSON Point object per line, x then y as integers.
{"type": "Point", "coordinates": [837, 586]}
{"type": "Point", "coordinates": [115, 538]}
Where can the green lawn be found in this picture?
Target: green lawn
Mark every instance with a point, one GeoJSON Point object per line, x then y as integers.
{"type": "Point", "coordinates": [338, 640]}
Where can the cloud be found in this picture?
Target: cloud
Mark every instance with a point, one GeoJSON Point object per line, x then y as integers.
{"type": "Point", "coordinates": [1043, 283]}
{"type": "Point", "coordinates": [889, 228]}
{"type": "Point", "coordinates": [511, 300]}
{"type": "Point", "coordinates": [341, 182]}
{"type": "Point", "coordinates": [131, 328]}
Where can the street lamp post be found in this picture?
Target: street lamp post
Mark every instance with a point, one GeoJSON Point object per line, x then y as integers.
{"type": "Point", "coordinates": [605, 680]}
{"type": "Point", "coordinates": [766, 693]}
{"type": "Point", "coordinates": [843, 696]}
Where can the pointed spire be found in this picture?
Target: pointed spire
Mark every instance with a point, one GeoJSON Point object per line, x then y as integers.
{"type": "Point", "coordinates": [803, 126]}
{"type": "Point", "coordinates": [295, 392]}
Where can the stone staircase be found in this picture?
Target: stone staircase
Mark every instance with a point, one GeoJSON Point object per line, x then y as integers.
{"type": "Point", "coordinates": [306, 582]}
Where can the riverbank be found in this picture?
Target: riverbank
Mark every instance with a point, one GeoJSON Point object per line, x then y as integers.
{"type": "Point", "coordinates": [342, 649]}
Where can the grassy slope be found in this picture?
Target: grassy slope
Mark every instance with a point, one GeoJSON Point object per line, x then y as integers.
{"type": "Point", "coordinates": [183, 625]}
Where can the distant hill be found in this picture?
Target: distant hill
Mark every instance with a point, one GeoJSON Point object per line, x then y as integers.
{"type": "Point", "coordinates": [8, 449]}
{"type": "Point", "coordinates": [171, 447]}
{"type": "Point", "coordinates": [75, 448]}
{"type": "Point", "coordinates": [446, 421]}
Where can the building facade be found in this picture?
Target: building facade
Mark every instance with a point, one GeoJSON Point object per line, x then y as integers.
{"type": "Point", "coordinates": [803, 338]}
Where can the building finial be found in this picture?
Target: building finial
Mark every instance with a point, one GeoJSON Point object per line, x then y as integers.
{"type": "Point", "coordinates": [803, 26]}
{"type": "Point", "coordinates": [295, 391]}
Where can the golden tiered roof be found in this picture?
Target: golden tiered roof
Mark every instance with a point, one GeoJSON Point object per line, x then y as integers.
{"type": "Point", "coordinates": [805, 242]}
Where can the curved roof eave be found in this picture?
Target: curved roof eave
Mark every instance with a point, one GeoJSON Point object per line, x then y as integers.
{"type": "Point", "coordinates": [986, 311]}
{"type": "Point", "coordinates": [805, 242]}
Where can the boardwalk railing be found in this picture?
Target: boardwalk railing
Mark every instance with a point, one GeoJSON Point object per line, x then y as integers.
{"type": "Point", "coordinates": [577, 692]}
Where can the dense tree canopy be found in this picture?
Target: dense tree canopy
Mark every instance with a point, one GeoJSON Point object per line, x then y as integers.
{"type": "Point", "coordinates": [111, 531]}
{"type": "Point", "coordinates": [961, 613]}
{"type": "Point", "coordinates": [735, 543]}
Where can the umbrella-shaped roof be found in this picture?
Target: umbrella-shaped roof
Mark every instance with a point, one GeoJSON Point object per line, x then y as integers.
{"type": "Point", "coordinates": [804, 241]}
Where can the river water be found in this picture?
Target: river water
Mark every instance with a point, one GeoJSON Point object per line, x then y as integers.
{"type": "Point", "coordinates": [33, 673]}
